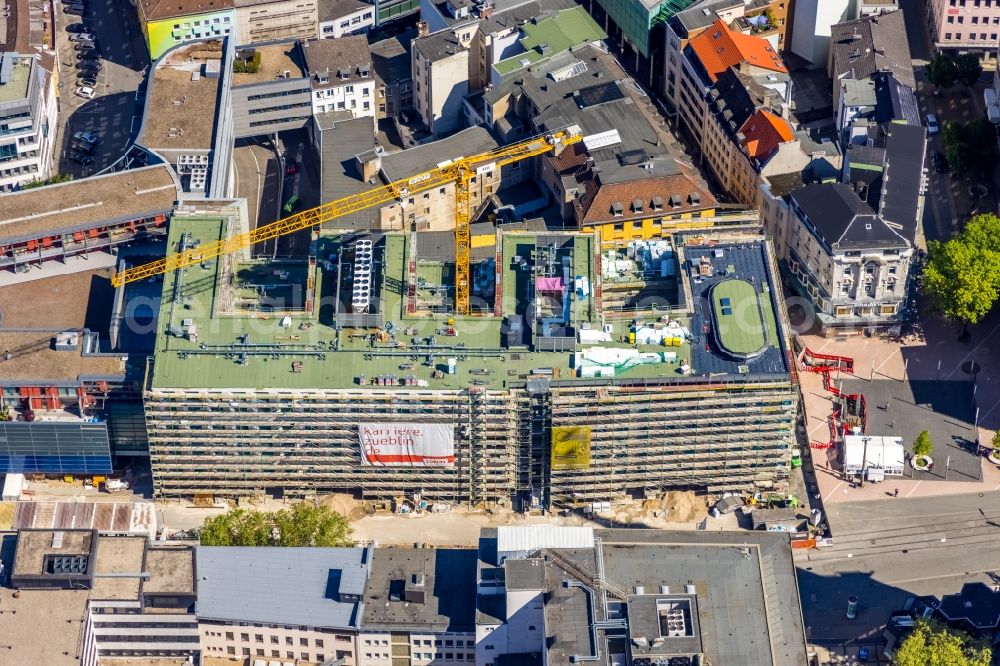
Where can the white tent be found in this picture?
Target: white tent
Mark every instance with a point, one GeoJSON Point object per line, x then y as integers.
{"type": "Point", "coordinates": [885, 455]}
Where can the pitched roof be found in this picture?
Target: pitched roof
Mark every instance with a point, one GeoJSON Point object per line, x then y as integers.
{"type": "Point", "coordinates": [600, 199]}
{"type": "Point", "coordinates": [157, 10]}
{"type": "Point", "coordinates": [873, 44]}
{"type": "Point", "coordinates": [843, 219]}
{"type": "Point", "coordinates": [719, 48]}
{"type": "Point", "coordinates": [763, 131]}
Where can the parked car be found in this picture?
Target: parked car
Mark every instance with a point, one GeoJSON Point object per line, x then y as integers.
{"type": "Point", "coordinates": [85, 92]}
{"type": "Point", "coordinates": [932, 124]}
{"type": "Point", "coordinates": [76, 28]}
{"type": "Point", "coordinates": [81, 159]}
{"type": "Point", "coordinates": [88, 79]}
{"type": "Point", "coordinates": [941, 162]}
{"type": "Point", "coordinates": [75, 10]}
{"type": "Point", "coordinates": [291, 168]}
{"type": "Point", "coordinates": [90, 64]}
{"type": "Point", "coordinates": [82, 37]}
{"type": "Point", "coordinates": [84, 46]}
{"type": "Point", "coordinates": [86, 137]}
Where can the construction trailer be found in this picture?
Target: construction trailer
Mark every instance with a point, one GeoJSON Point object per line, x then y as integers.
{"type": "Point", "coordinates": [562, 408]}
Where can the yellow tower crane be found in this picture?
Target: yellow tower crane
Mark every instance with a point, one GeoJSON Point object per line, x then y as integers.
{"type": "Point", "coordinates": [459, 171]}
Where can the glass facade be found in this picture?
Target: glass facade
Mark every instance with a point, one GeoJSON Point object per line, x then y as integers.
{"type": "Point", "coordinates": [54, 448]}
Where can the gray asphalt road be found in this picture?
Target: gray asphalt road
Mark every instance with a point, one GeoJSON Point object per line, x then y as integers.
{"type": "Point", "coordinates": [888, 550]}
{"type": "Point", "coordinates": [110, 114]}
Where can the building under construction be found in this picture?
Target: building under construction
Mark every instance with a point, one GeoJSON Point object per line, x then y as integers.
{"type": "Point", "coordinates": [587, 373]}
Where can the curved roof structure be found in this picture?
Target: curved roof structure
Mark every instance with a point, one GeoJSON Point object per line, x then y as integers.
{"type": "Point", "coordinates": [740, 329]}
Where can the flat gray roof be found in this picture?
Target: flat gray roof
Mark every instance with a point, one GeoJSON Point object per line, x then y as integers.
{"type": "Point", "coordinates": [170, 570]}
{"type": "Point", "coordinates": [449, 590]}
{"type": "Point", "coordinates": [298, 586]}
{"type": "Point", "coordinates": [411, 161]}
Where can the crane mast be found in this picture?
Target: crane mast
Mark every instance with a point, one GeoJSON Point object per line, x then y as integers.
{"type": "Point", "coordinates": [459, 171]}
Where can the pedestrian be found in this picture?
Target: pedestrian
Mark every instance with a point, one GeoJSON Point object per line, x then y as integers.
{"type": "Point", "coordinates": [895, 492]}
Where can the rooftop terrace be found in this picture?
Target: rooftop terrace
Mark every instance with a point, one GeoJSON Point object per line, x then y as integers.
{"type": "Point", "coordinates": [551, 35]}
{"type": "Point", "coordinates": [275, 60]}
{"type": "Point", "coordinates": [262, 350]}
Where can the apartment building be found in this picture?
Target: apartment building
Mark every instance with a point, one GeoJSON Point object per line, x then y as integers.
{"type": "Point", "coordinates": [267, 20]}
{"type": "Point", "coordinates": [964, 26]}
{"type": "Point", "coordinates": [710, 53]}
{"type": "Point", "coordinates": [641, 595]}
{"type": "Point", "coordinates": [169, 23]}
{"type": "Point", "coordinates": [304, 604]}
{"type": "Point", "coordinates": [768, 19]}
{"type": "Point", "coordinates": [341, 76]}
{"type": "Point", "coordinates": [441, 78]}
{"type": "Point", "coordinates": [345, 17]}
{"type": "Point", "coordinates": [28, 118]}
{"type": "Point", "coordinates": [140, 601]}
{"type": "Point", "coordinates": [864, 47]}
{"type": "Point", "coordinates": [391, 59]}
{"type": "Point", "coordinates": [849, 246]}
{"type": "Point", "coordinates": [747, 134]}
{"type": "Point", "coordinates": [420, 608]}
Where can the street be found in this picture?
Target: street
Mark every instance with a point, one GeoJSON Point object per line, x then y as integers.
{"type": "Point", "coordinates": [114, 112]}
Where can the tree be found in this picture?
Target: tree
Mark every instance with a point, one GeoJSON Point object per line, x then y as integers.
{"type": "Point", "coordinates": [962, 275]}
{"type": "Point", "coordinates": [922, 445]}
{"type": "Point", "coordinates": [971, 145]}
{"type": "Point", "coordinates": [996, 444]}
{"type": "Point", "coordinates": [968, 68]}
{"type": "Point", "coordinates": [936, 645]}
{"type": "Point", "coordinates": [59, 178]}
{"type": "Point", "coordinates": [301, 525]}
{"type": "Point", "coordinates": [942, 71]}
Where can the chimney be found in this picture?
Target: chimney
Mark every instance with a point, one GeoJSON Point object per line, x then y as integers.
{"type": "Point", "coordinates": [414, 590]}
{"type": "Point", "coordinates": [423, 29]}
{"type": "Point", "coordinates": [369, 163]}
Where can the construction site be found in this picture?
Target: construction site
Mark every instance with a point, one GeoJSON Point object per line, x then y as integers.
{"type": "Point", "coordinates": [580, 374]}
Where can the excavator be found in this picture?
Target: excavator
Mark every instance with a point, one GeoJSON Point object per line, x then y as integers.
{"type": "Point", "coordinates": [460, 171]}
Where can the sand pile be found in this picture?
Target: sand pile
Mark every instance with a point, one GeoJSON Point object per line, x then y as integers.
{"type": "Point", "coordinates": [682, 506]}
{"type": "Point", "coordinates": [343, 504]}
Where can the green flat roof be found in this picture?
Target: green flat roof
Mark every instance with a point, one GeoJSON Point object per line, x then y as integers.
{"type": "Point", "coordinates": [567, 29]}
{"type": "Point", "coordinates": [737, 311]}
{"type": "Point", "coordinates": [340, 369]}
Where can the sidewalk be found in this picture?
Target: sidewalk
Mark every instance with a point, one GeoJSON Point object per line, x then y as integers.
{"type": "Point", "coordinates": [939, 357]}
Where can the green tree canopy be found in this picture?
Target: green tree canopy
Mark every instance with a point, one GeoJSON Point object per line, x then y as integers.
{"type": "Point", "coordinates": [971, 145]}
{"type": "Point", "coordinates": [300, 525]}
{"type": "Point", "coordinates": [996, 442]}
{"type": "Point", "coordinates": [942, 71]}
{"type": "Point", "coordinates": [968, 67]}
{"type": "Point", "coordinates": [936, 645]}
{"type": "Point", "coordinates": [922, 445]}
{"type": "Point", "coordinates": [962, 275]}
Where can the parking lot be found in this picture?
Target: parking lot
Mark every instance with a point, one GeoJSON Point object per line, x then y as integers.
{"type": "Point", "coordinates": [113, 113]}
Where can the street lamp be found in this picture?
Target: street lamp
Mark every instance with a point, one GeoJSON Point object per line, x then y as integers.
{"type": "Point", "coordinates": [864, 459]}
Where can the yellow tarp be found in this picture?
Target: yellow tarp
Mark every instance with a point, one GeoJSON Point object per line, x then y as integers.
{"type": "Point", "coordinates": [570, 447]}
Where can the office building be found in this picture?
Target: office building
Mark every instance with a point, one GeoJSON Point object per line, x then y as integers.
{"type": "Point", "coordinates": [267, 20]}
{"type": "Point", "coordinates": [27, 118]}
{"type": "Point", "coordinates": [166, 23]}
{"type": "Point", "coordinates": [964, 26]}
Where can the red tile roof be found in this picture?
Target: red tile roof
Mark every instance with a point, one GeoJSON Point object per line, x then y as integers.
{"type": "Point", "coordinates": [764, 131]}
{"type": "Point", "coordinates": [719, 48]}
{"type": "Point", "coordinates": [599, 201]}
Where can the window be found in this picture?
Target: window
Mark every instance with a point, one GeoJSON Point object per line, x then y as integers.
{"type": "Point", "coordinates": [275, 653]}
{"type": "Point", "coordinates": [229, 635]}
{"type": "Point", "coordinates": [260, 652]}
{"type": "Point", "coordinates": [367, 15]}
{"type": "Point", "coordinates": [319, 644]}
{"type": "Point", "coordinates": [290, 654]}
{"type": "Point", "coordinates": [259, 638]}
{"type": "Point", "coordinates": [288, 640]}
{"type": "Point", "coordinates": [274, 640]}
{"type": "Point", "coordinates": [947, 35]}
{"type": "Point", "coordinates": [951, 19]}
{"type": "Point", "coordinates": [304, 642]}
{"type": "Point", "coordinates": [349, 89]}
{"type": "Point", "coordinates": [231, 649]}
{"type": "Point", "coordinates": [246, 652]}
{"type": "Point", "coordinates": [304, 655]}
